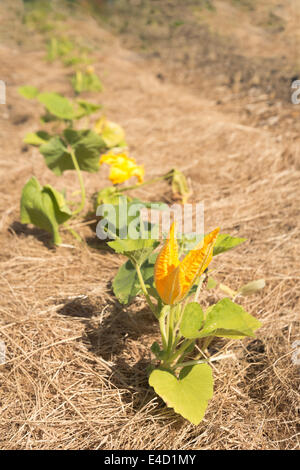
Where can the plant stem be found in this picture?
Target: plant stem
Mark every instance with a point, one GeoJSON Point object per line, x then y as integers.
{"type": "Point", "coordinates": [144, 289]}
{"type": "Point", "coordinates": [73, 232]}
{"type": "Point", "coordinates": [162, 328]}
{"type": "Point", "coordinates": [203, 361]}
{"type": "Point", "coordinates": [180, 351]}
{"type": "Point", "coordinates": [201, 280]}
{"type": "Point", "coordinates": [207, 342]}
{"type": "Point", "coordinates": [139, 185]}
{"type": "Point", "coordinates": [171, 329]}
{"type": "Point", "coordinates": [82, 188]}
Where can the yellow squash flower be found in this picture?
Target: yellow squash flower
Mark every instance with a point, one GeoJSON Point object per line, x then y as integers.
{"type": "Point", "coordinates": [174, 278]}
{"type": "Point", "coordinates": [122, 167]}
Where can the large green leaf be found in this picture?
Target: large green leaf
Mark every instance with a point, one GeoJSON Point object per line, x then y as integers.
{"type": "Point", "coordinates": [188, 395]}
{"type": "Point", "coordinates": [57, 105]}
{"type": "Point", "coordinates": [57, 156]}
{"type": "Point", "coordinates": [192, 320]}
{"type": "Point", "coordinates": [225, 242]}
{"type": "Point", "coordinates": [86, 144]}
{"type": "Point", "coordinates": [228, 319]}
{"type": "Point", "coordinates": [126, 285]}
{"type": "Point", "coordinates": [44, 207]}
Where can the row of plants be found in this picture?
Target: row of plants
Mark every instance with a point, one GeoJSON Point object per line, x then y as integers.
{"type": "Point", "coordinates": [172, 279]}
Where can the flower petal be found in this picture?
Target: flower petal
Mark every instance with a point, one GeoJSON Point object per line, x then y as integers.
{"type": "Point", "coordinates": [166, 262]}
{"type": "Point", "coordinates": [195, 263]}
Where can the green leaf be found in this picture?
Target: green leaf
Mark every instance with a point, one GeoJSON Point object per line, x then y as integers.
{"type": "Point", "coordinates": [44, 207]}
{"type": "Point", "coordinates": [188, 395]}
{"type": "Point", "coordinates": [136, 250]}
{"type": "Point", "coordinates": [87, 146]}
{"type": "Point", "coordinates": [158, 353]}
{"type": "Point", "coordinates": [179, 185]}
{"type": "Point", "coordinates": [228, 319]}
{"type": "Point", "coordinates": [192, 320]}
{"type": "Point", "coordinates": [86, 108]}
{"type": "Point", "coordinates": [29, 92]}
{"type": "Point", "coordinates": [86, 82]}
{"type": "Point", "coordinates": [57, 105]}
{"type": "Point", "coordinates": [56, 155]}
{"type": "Point", "coordinates": [252, 287]}
{"type": "Point", "coordinates": [109, 195]}
{"type": "Point", "coordinates": [126, 285]}
{"type": "Point", "coordinates": [225, 242]}
{"type": "Point", "coordinates": [58, 47]}
{"type": "Point", "coordinates": [37, 138]}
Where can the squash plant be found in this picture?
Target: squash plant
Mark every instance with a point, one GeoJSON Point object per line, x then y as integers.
{"type": "Point", "coordinates": [172, 287]}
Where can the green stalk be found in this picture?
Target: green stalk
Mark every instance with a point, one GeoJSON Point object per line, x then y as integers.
{"type": "Point", "coordinates": [144, 289]}
{"type": "Point", "coordinates": [139, 185]}
{"type": "Point", "coordinates": [207, 342]}
{"type": "Point", "coordinates": [203, 361]}
{"type": "Point", "coordinates": [201, 280]}
{"type": "Point", "coordinates": [82, 188]}
{"type": "Point", "coordinates": [162, 328]}
{"type": "Point", "coordinates": [180, 351]}
{"type": "Point", "coordinates": [73, 232]}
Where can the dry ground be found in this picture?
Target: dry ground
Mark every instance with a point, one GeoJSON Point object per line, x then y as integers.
{"type": "Point", "coordinates": [74, 375]}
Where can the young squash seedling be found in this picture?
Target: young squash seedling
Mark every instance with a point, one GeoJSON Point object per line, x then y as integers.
{"type": "Point", "coordinates": [172, 289]}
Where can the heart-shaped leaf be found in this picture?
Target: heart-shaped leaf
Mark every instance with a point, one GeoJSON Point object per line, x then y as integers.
{"type": "Point", "coordinates": [44, 207]}
{"type": "Point", "coordinates": [189, 394]}
{"type": "Point", "coordinates": [192, 320]}
{"type": "Point", "coordinates": [57, 105]}
{"type": "Point", "coordinates": [56, 155]}
{"type": "Point", "coordinates": [86, 144]}
{"type": "Point", "coordinates": [126, 284]}
{"type": "Point", "coordinates": [228, 319]}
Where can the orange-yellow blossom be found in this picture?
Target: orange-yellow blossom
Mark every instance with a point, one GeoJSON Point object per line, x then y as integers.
{"type": "Point", "coordinates": [122, 167]}
{"type": "Point", "coordinates": [174, 278]}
